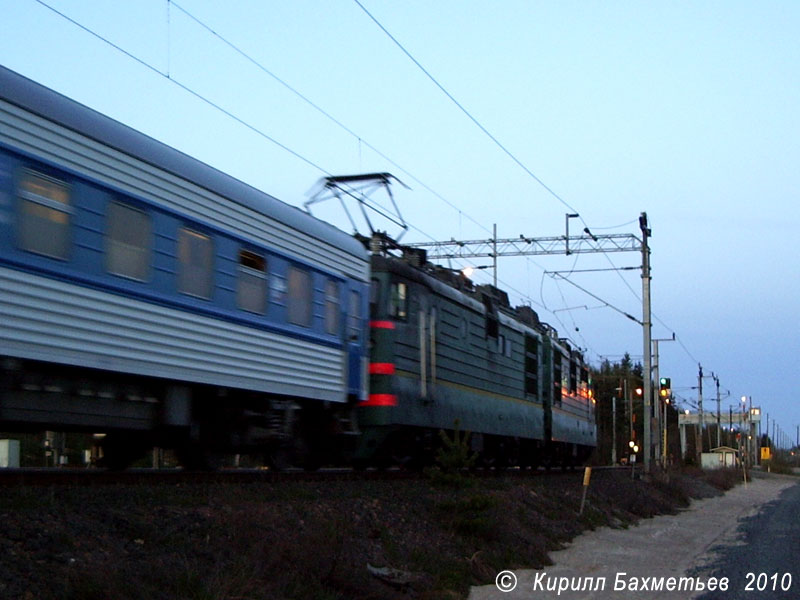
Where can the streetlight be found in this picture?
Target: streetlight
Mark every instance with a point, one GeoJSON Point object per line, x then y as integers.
{"type": "Point", "coordinates": [469, 270]}
{"type": "Point", "coordinates": [635, 449]}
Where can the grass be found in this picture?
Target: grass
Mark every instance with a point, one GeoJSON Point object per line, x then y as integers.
{"type": "Point", "coordinates": [303, 540]}
{"type": "Point", "coordinates": [778, 465]}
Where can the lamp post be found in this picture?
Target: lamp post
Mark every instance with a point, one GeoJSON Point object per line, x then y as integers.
{"type": "Point", "coordinates": [746, 423]}
{"type": "Point", "coordinates": [634, 449]}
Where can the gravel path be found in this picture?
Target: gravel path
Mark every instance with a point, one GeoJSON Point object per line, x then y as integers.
{"type": "Point", "coordinates": [648, 555]}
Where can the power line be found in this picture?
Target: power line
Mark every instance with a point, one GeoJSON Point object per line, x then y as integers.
{"type": "Point", "coordinates": [242, 122]}
{"type": "Point", "coordinates": [206, 100]}
{"type": "Point", "coordinates": [211, 103]}
{"type": "Point", "coordinates": [464, 110]}
{"type": "Point", "coordinates": [489, 135]}
{"type": "Point", "coordinates": [319, 109]}
{"type": "Point", "coordinates": [186, 89]}
{"type": "Point", "coordinates": [598, 298]}
{"type": "Point", "coordinates": [199, 96]}
{"type": "Point", "coordinates": [333, 119]}
{"type": "Point", "coordinates": [308, 161]}
{"type": "Point", "coordinates": [486, 132]}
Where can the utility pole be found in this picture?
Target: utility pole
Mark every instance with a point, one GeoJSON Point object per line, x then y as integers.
{"type": "Point", "coordinates": [494, 253]}
{"type": "Point", "coordinates": [730, 425]}
{"type": "Point", "coordinates": [751, 434]}
{"type": "Point", "coordinates": [699, 449]}
{"type": "Point", "coordinates": [613, 430]}
{"type": "Point", "coordinates": [716, 380]}
{"type": "Point", "coordinates": [661, 405]}
{"type": "Point", "coordinates": [647, 342]}
{"type": "Point", "coordinates": [629, 400]}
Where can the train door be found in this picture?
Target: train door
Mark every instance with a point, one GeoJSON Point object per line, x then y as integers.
{"type": "Point", "coordinates": [548, 394]}
{"type": "Point", "coordinates": [427, 350]}
{"type": "Point", "coordinates": [354, 343]}
{"type": "Point", "coordinates": [532, 368]}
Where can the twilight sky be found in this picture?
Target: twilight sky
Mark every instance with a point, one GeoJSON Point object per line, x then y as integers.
{"type": "Point", "coordinates": [685, 110]}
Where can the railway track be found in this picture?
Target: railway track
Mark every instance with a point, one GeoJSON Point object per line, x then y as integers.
{"type": "Point", "coordinates": [96, 477]}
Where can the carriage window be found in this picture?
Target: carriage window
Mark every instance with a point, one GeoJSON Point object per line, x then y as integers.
{"type": "Point", "coordinates": [504, 346]}
{"type": "Point", "coordinates": [299, 309]}
{"type": "Point", "coordinates": [354, 316]}
{"type": "Point", "coordinates": [557, 381]}
{"type": "Point", "coordinates": [196, 258]}
{"type": "Point", "coordinates": [531, 365]}
{"type": "Point", "coordinates": [44, 215]}
{"type": "Point", "coordinates": [573, 377]}
{"type": "Point", "coordinates": [251, 292]}
{"type": "Point", "coordinates": [399, 301]}
{"type": "Point", "coordinates": [331, 307]}
{"type": "Point", "coordinates": [128, 242]}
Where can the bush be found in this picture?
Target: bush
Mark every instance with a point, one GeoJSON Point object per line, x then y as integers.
{"type": "Point", "coordinates": [454, 454]}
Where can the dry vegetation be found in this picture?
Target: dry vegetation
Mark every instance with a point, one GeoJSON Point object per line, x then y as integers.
{"type": "Point", "coordinates": [427, 538]}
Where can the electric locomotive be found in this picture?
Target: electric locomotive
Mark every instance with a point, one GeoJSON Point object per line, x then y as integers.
{"type": "Point", "coordinates": [448, 355]}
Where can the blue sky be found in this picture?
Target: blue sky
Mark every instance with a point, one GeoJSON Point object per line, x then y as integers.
{"type": "Point", "coordinates": [685, 110]}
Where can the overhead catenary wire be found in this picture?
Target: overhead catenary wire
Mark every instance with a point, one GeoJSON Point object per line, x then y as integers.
{"type": "Point", "coordinates": [464, 110]}
{"type": "Point", "coordinates": [211, 103]}
{"type": "Point", "coordinates": [186, 88]}
{"type": "Point", "coordinates": [480, 126]}
{"type": "Point", "coordinates": [322, 111]}
{"type": "Point", "coordinates": [360, 139]}
{"type": "Point", "coordinates": [200, 97]}
{"type": "Point", "coordinates": [218, 107]}
{"type": "Point", "coordinates": [208, 101]}
{"type": "Point", "coordinates": [347, 129]}
{"type": "Point", "coordinates": [505, 150]}
{"type": "Point", "coordinates": [169, 76]}
{"type": "Point", "coordinates": [596, 297]}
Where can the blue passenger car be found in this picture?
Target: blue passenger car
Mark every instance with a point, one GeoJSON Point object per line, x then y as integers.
{"type": "Point", "coordinates": [147, 295]}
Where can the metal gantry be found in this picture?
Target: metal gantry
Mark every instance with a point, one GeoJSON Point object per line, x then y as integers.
{"type": "Point", "coordinates": [531, 246]}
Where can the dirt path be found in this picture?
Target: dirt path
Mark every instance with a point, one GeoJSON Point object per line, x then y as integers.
{"type": "Point", "coordinates": [643, 556]}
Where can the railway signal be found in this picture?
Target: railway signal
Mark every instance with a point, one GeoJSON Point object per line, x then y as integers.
{"type": "Point", "coordinates": [665, 388]}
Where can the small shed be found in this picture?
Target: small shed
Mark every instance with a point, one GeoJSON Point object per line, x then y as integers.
{"type": "Point", "coordinates": [9, 454]}
{"type": "Point", "coordinates": [719, 458]}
